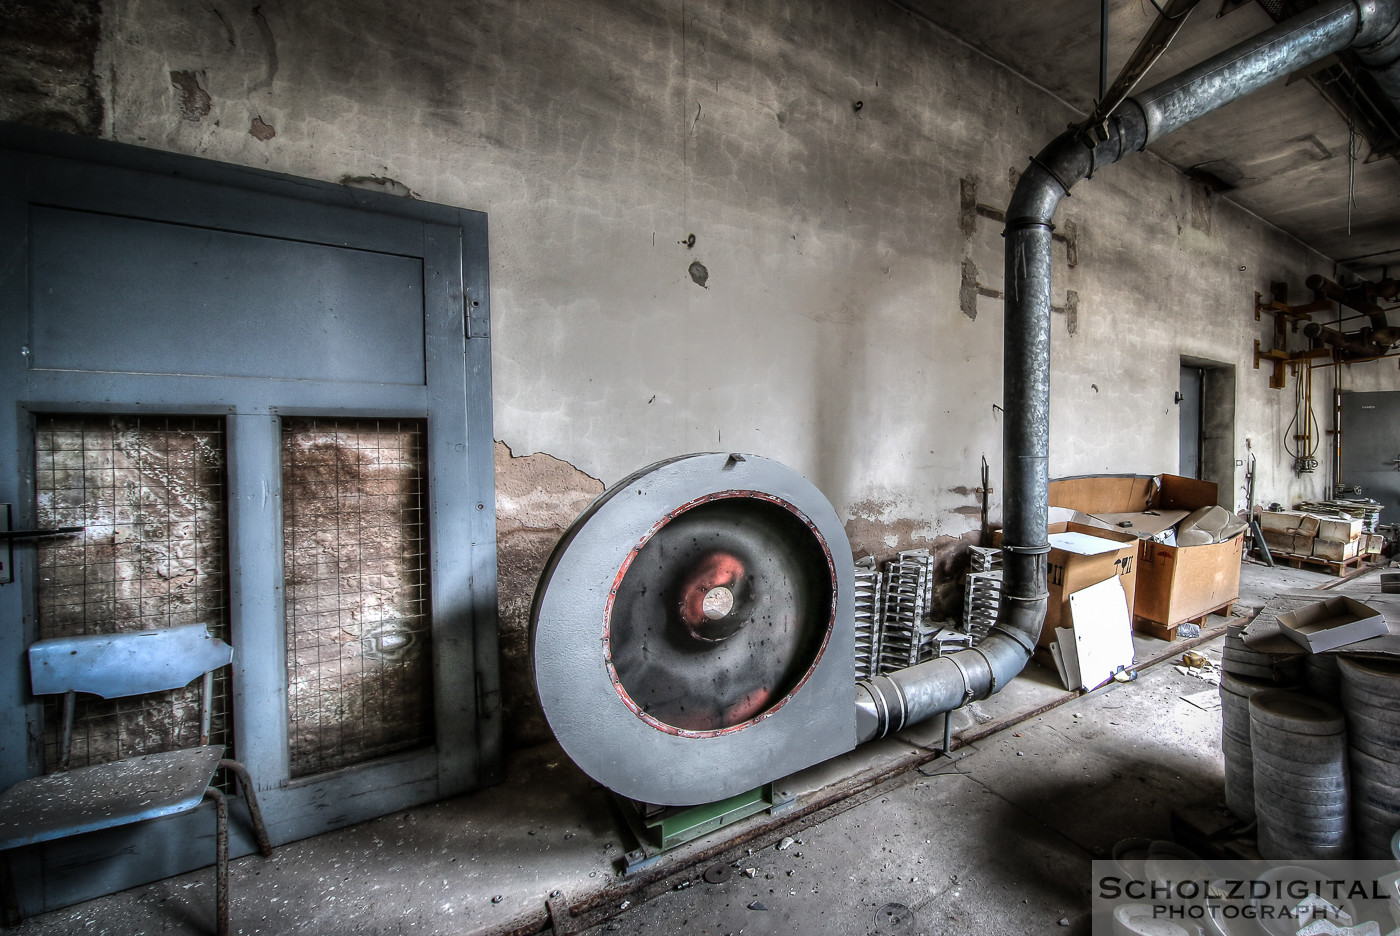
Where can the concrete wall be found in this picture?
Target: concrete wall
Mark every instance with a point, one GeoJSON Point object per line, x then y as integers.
{"type": "Point", "coordinates": [820, 317]}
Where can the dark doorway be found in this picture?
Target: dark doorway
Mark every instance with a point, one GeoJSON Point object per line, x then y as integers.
{"type": "Point", "coordinates": [1189, 406]}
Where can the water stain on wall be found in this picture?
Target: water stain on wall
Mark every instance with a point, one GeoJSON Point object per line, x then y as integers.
{"type": "Point", "coordinates": [537, 497]}
{"type": "Point", "coordinates": [873, 535]}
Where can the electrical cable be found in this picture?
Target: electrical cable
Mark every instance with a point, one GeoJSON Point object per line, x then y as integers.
{"type": "Point", "coordinates": [1300, 436]}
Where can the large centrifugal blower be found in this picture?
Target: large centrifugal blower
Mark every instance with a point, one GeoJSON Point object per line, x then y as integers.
{"type": "Point", "coordinates": [693, 631]}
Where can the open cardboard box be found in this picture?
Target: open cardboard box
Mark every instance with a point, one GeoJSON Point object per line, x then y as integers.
{"type": "Point", "coordinates": [1075, 563]}
{"type": "Point", "coordinates": [1332, 623]}
{"type": "Point", "coordinates": [1174, 583]}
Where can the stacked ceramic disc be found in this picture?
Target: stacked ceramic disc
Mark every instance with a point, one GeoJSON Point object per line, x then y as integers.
{"type": "Point", "coordinates": [1299, 746]}
{"type": "Point", "coordinates": [1246, 672]}
{"type": "Point", "coordinates": [1239, 762]}
{"type": "Point", "coordinates": [1321, 677]}
{"type": "Point", "coordinates": [1239, 659]}
{"type": "Point", "coordinates": [1371, 699]}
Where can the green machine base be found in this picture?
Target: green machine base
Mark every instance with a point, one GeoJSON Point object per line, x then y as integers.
{"type": "Point", "coordinates": [658, 829]}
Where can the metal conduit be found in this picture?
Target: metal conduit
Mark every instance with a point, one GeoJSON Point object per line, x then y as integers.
{"type": "Point", "coordinates": [885, 704]}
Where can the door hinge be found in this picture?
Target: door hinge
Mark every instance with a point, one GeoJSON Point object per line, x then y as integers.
{"type": "Point", "coordinates": [476, 315]}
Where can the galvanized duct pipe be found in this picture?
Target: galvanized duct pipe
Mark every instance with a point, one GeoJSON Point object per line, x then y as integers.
{"type": "Point", "coordinates": [885, 704]}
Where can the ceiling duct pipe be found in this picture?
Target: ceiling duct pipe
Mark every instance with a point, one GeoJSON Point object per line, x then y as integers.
{"type": "Point", "coordinates": [887, 703]}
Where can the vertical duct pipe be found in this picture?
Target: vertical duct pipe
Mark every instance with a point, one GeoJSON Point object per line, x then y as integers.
{"type": "Point", "coordinates": [885, 704]}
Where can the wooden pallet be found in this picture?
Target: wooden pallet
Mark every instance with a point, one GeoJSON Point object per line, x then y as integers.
{"type": "Point", "coordinates": [1162, 632]}
{"type": "Point", "coordinates": [1336, 568]}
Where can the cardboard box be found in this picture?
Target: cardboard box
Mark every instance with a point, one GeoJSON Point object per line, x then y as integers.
{"type": "Point", "coordinates": [1335, 622]}
{"type": "Point", "coordinates": [1174, 583]}
{"type": "Point", "coordinates": [1072, 566]}
{"type": "Point", "coordinates": [1077, 565]}
{"type": "Point", "coordinates": [1289, 543]}
{"type": "Point", "coordinates": [1337, 529]}
{"type": "Point", "coordinates": [1291, 521]}
{"type": "Point", "coordinates": [1334, 551]}
{"type": "Point", "coordinates": [1372, 544]}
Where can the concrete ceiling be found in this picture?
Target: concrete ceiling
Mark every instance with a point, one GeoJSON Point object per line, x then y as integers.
{"type": "Point", "coordinates": [1284, 149]}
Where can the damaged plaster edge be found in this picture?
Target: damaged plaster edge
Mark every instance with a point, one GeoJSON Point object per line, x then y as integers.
{"type": "Point", "coordinates": [510, 453]}
{"type": "Point", "coordinates": [539, 491]}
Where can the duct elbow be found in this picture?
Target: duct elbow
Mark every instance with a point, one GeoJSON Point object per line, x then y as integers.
{"type": "Point", "coordinates": [1071, 157]}
{"type": "Point", "coordinates": [1378, 22]}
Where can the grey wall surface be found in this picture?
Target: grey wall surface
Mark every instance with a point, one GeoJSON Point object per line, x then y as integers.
{"type": "Point", "coordinates": [818, 317]}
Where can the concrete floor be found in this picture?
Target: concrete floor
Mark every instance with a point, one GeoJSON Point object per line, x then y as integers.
{"type": "Point", "coordinates": [885, 840]}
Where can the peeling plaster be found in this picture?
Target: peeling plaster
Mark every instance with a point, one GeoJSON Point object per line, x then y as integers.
{"type": "Point", "coordinates": [537, 497]}
{"type": "Point", "coordinates": [195, 102]}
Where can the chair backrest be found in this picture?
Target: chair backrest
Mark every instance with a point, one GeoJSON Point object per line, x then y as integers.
{"type": "Point", "coordinates": [125, 664]}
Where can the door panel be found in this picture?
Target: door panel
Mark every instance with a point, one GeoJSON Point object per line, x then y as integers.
{"type": "Point", "coordinates": [312, 311]}
{"type": "Point", "coordinates": [359, 645]}
{"type": "Point", "coordinates": [1371, 447]}
{"type": "Point", "coordinates": [150, 492]}
{"type": "Point", "coordinates": [1189, 404]}
{"type": "Point", "coordinates": [149, 283]}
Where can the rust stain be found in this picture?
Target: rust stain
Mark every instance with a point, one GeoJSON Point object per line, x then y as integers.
{"type": "Point", "coordinates": [195, 102]}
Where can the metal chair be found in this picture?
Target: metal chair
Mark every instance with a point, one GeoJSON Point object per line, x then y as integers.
{"type": "Point", "coordinates": [71, 802]}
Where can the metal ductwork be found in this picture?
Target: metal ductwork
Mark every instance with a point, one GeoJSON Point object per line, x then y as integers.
{"type": "Point", "coordinates": [1371, 27]}
{"type": "Point", "coordinates": [692, 635]}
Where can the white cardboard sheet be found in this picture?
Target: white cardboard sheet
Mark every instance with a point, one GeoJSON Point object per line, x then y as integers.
{"type": "Point", "coordinates": [1103, 634]}
{"type": "Point", "coordinates": [1084, 544]}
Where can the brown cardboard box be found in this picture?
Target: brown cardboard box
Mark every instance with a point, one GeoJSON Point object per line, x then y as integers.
{"type": "Point", "coordinates": [1174, 583]}
{"type": "Point", "coordinates": [1067, 572]}
{"type": "Point", "coordinates": [1071, 571]}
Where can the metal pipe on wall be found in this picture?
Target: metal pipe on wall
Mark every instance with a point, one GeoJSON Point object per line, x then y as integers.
{"type": "Point", "coordinates": [887, 703]}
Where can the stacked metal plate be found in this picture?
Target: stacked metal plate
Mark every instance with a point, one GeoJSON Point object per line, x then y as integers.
{"type": "Point", "coordinates": [1239, 659]}
{"type": "Point", "coordinates": [1299, 745]}
{"type": "Point", "coordinates": [905, 637]}
{"type": "Point", "coordinates": [981, 603]}
{"type": "Point", "coordinates": [868, 618]}
{"type": "Point", "coordinates": [1370, 698]}
{"type": "Point", "coordinates": [984, 559]}
{"type": "Point", "coordinates": [1239, 762]}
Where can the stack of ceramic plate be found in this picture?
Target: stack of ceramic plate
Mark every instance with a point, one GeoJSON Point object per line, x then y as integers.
{"type": "Point", "coordinates": [1321, 678]}
{"type": "Point", "coordinates": [1239, 659]}
{"type": "Point", "coordinates": [868, 615]}
{"type": "Point", "coordinates": [1239, 762]}
{"type": "Point", "coordinates": [1299, 745]}
{"type": "Point", "coordinates": [1370, 698]}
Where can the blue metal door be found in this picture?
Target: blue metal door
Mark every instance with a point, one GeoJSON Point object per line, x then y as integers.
{"type": "Point", "coordinates": [141, 284]}
{"type": "Point", "coordinates": [1371, 447]}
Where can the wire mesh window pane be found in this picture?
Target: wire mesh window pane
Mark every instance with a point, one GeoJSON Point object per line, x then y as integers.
{"type": "Point", "coordinates": [359, 651]}
{"type": "Point", "coordinates": [150, 491]}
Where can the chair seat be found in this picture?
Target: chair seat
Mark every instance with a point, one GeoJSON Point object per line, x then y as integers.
{"type": "Point", "coordinates": [106, 795]}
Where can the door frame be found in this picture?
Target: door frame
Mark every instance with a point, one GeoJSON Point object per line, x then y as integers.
{"type": "Point", "coordinates": [55, 171]}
